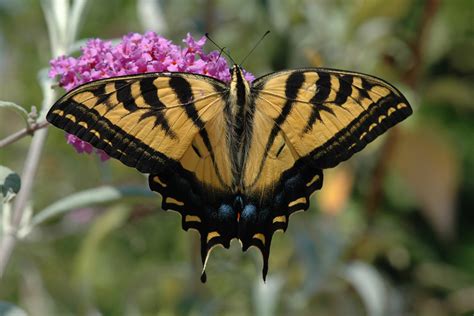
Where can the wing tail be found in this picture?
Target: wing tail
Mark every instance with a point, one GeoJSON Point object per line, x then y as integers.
{"type": "Point", "coordinates": [208, 211]}
{"type": "Point", "coordinates": [263, 215]}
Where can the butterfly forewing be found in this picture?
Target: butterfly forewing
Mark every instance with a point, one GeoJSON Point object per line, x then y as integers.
{"type": "Point", "coordinates": [329, 115]}
{"type": "Point", "coordinates": [142, 119]}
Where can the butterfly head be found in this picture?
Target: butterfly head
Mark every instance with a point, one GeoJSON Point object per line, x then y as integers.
{"type": "Point", "coordinates": [239, 90]}
{"type": "Point", "coordinates": [235, 71]}
{"type": "Point", "coordinates": [236, 67]}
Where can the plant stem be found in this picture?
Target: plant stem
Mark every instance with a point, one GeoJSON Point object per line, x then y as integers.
{"type": "Point", "coordinates": [62, 25]}
{"type": "Point", "coordinates": [22, 133]}
{"type": "Point", "coordinates": [6, 247]}
{"type": "Point", "coordinates": [411, 78]}
{"type": "Point", "coordinates": [28, 176]}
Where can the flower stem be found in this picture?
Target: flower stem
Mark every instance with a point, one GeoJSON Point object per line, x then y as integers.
{"type": "Point", "coordinates": [22, 133]}
{"type": "Point", "coordinates": [29, 174]}
{"type": "Point", "coordinates": [411, 78]}
{"type": "Point", "coordinates": [28, 177]}
{"type": "Point", "coordinates": [62, 25]}
{"type": "Point", "coordinates": [6, 247]}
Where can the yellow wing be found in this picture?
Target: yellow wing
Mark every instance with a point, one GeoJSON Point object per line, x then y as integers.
{"type": "Point", "coordinates": [320, 115]}
{"type": "Point", "coordinates": [151, 120]}
{"type": "Point", "coordinates": [304, 121]}
{"type": "Point", "coordinates": [170, 125]}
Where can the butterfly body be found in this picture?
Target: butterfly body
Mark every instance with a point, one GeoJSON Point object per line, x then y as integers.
{"type": "Point", "coordinates": [237, 159]}
{"type": "Point", "coordinates": [238, 113]}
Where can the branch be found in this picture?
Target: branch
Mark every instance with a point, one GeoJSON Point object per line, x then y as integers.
{"type": "Point", "coordinates": [413, 74]}
{"type": "Point", "coordinates": [22, 133]}
{"type": "Point", "coordinates": [31, 166]}
{"type": "Point", "coordinates": [62, 25]}
{"type": "Point", "coordinates": [410, 78]}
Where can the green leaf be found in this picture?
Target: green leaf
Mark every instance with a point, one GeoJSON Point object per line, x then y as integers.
{"type": "Point", "coordinates": [89, 197]}
{"type": "Point", "coordinates": [438, 171]}
{"type": "Point", "coordinates": [8, 309]}
{"type": "Point", "coordinates": [369, 9]}
{"type": "Point", "coordinates": [86, 267]}
{"type": "Point", "coordinates": [369, 285]}
{"type": "Point", "coordinates": [9, 181]}
{"type": "Point", "coordinates": [267, 295]}
{"type": "Point", "coordinates": [18, 109]}
{"type": "Point", "coordinates": [450, 90]}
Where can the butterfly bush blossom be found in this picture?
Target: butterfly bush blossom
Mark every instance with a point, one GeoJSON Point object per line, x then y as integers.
{"type": "Point", "coordinates": [135, 53]}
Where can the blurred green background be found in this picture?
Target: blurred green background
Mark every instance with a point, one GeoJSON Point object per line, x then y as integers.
{"type": "Point", "coordinates": [390, 233]}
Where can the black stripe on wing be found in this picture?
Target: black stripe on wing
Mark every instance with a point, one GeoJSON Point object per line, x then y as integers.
{"type": "Point", "coordinates": [105, 135]}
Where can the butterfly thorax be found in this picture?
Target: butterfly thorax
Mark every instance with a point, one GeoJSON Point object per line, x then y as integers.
{"type": "Point", "coordinates": [239, 117]}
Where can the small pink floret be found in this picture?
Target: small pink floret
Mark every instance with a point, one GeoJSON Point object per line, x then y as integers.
{"type": "Point", "coordinates": [135, 53]}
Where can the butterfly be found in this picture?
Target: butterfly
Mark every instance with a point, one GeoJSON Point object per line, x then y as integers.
{"type": "Point", "coordinates": [234, 159]}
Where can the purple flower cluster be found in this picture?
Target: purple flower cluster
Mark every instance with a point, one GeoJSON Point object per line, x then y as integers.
{"type": "Point", "coordinates": [135, 53]}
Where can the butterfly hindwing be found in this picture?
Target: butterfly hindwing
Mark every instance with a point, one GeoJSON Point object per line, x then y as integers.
{"type": "Point", "coordinates": [203, 208]}
{"type": "Point", "coordinates": [269, 210]}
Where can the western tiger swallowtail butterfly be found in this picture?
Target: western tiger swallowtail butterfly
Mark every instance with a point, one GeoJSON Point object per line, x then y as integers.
{"type": "Point", "coordinates": [237, 159]}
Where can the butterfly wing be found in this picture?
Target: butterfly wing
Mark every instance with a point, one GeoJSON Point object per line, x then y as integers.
{"type": "Point", "coordinates": [168, 125]}
{"type": "Point", "coordinates": [329, 114]}
{"type": "Point", "coordinates": [304, 121]}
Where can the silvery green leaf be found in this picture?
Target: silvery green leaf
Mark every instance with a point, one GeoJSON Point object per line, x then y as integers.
{"type": "Point", "coordinates": [8, 309]}
{"type": "Point", "coordinates": [9, 181]}
{"type": "Point", "coordinates": [370, 286]}
{"type": "Point", "coordinates": [18, 109]}
{"type": "Point", "coordinates": [89, 197]}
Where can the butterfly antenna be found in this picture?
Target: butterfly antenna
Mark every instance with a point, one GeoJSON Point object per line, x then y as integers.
{"type": "Point", "coordinates": [220, 48]}
{"type": "Point", "coordinates": [255, 46]}
{"type": "Point", "coordinates": [220, 53]}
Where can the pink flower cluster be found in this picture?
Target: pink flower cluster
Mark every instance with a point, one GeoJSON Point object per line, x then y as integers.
{"type": "Point", "coordinates": [135, 53]}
